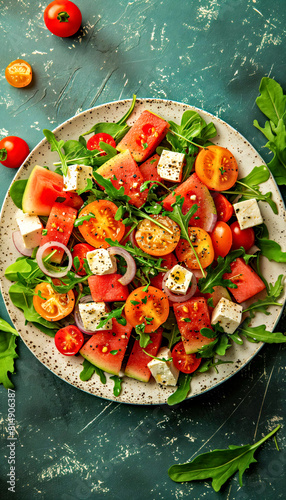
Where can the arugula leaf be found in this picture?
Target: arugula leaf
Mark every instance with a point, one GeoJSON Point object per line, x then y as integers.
{"type": "Point", "coordinates": [80, 220]}
{"type": "Point", "coordinates": [219, 465]}
{"type": "Point", "coordinates": [272, 103]}
{"type": "Point", "coordinates": [117, 385]}
{"type": "Point", "coordinates": [211, 363]}
{"type": "Point", "coordinates": [184, 385]}
{"type": "Point", "coordinates": [262, 305]}
{"type": "Point", "coordinates": [5, 327]}
{"type": "Point", "coordinates": [260, 334]}
{"type": "Point", "coordinates": [56, 146]}
{"type": "Point", "coordinates": [271, 250]}
{"type": "Point", "coordinates": [117, 314]}
{"type": "Point", "coordinates": [111, 191]}
{"type": "Point", "coordinates": [171, 330]}
{"type": "Point", "coordinates": [144, 338]}
{"type": "Point", "coordinates": [117, 130]}
{"type": "Point", "coordinates": [215, 274]}
{"type": "Point", "coordinates": [16, 192]}
{"type": "Point", "coordinates": [89, 369]}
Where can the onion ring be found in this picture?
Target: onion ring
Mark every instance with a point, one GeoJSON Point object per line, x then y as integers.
{"type": "Point", "coordinates": [179, 298]}
{"type": "Point", "coordinates": [19, 244]}
{"type": "Point", "coordinates": [131, 266]}
{"type": "Point", "coordinates": [55, 273]}
{"type": "Point", "coordinates": [77, 316]}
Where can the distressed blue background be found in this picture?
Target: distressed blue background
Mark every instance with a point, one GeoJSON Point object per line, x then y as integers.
{"type": "Point", "coordinates": [208, 53]}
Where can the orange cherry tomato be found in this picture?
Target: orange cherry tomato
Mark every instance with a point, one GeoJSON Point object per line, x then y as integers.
{"type": "Point", "coordinates": [69, 340]}
{"type": "Point", "coordinates": [155, 240]}
{"type": "Point", "coordinates": [186, 363]}
{"type": "Point", "coordinates": [150, 308]}
{"type": "Point", "coordinates": [51, 305]}
{"type": "Point", "coordinates": [221, 239]}
{"type": "Point", "coordinates": [203, 246]}
{"type": "Point", "coordinates": [18, 73]}
{"type": "Point", "coordinates": [216, 167]}
{"type": "Point", "coordinates": [102, 225]}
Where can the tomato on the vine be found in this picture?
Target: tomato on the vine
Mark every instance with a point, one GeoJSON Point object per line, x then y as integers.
{"type": "Point", "coordinates": [186, 363]}
{"type": "Point", "coordinates": [13, 151]}
{"type": "Point", "coordinates": [62, 18]}
{"type": "Point", "coordinates": [69, 340]}
{"type": "Point", "coordinates": [93, 142]}
{"type": "Point", "coordinates": [18, 73]}
{"type": "Point", "coordinates": [216, 167]}
{"type": "Point", "coordinates": [242, 237]}
{"type": "Point", "coordinates": [221, 239]}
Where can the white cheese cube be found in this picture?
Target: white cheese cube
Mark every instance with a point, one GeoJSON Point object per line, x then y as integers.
{"type": "Point", "coordinates": [30, 228]}
{"type": "Point", "coordinates": [76, 177]}
{"type": "Point", "coordinates": [101, 262]}
{"type": "Point", "coordinates": [170, 166]}
{"type": "Point", "coordinates": [228, 314]}
{"type": "Point", "coordinates": [248, 213]}
{"type": "Point", "coordinates": [91, 314]}
{"type": "Point", "coordinates": [164, 372]}
{"type": "Point", "coordinates": [179, 280]}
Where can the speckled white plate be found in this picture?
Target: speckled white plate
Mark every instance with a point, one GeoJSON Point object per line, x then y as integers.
{"type": "Point", "coordinates": [43, 347]}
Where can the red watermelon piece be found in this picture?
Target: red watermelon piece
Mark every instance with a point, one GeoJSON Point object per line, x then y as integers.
{"type": "Point", "coordinates": [107, 288]}
{"type": "Point", "coordinates": [137, 362]}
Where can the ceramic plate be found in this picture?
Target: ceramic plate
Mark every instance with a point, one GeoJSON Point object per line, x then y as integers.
{"type": "Point", "coordinates": [42, 346]}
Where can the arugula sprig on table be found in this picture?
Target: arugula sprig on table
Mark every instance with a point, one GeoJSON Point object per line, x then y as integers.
{"type": "Point", "coordinates": [272, 103]}
{"type": "Point", "coordinates": [218, 465]}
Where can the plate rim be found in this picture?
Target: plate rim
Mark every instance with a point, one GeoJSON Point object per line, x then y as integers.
{"type": "Point", "coordinates": [139, 101]}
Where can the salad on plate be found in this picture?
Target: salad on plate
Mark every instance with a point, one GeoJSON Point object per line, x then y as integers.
{"type": "Point", "coordinates": [141, 251]}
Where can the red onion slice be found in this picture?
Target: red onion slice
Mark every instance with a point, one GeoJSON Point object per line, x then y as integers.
{"type": "Point", "coordinates": [179, 298]}
{"type": "Point", "coordinates": [19, 244]}
{"type": "Point", "coordinates": [210, 223]}
{"type": "Point", "coordinates": [131, 266]}
{"type": "Point", "coordinates": [55, 273]}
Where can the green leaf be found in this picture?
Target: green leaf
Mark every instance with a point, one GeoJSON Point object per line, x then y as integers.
{"type": "Point", "coordinates": [56, 146]}
{"type": "Point", "coordinates": [219, 465]}
{"type": "Point", "coordinates": [260, 334]}
{"type": "Point", "coordinates": [261, 305]}
{"type": "Point", "coordinates": [215, 274]}
{"type": "Point", "coordinates": [113, 193]}
{"type": "Point", "coordinates": [211, 363]}
{"type": "Point", "coordinates": [271, 249]}
{"type": "Point", "coordinates": [26, 267]}
{"type": "Point", "coordinates": [144, 338]}
{"type": "Point", "coordinates": [271, 102]}
{"type": "Point", "coordinates": [5, 327]}
{"type": "Point", "coordinates": [117, 314]}
{"type": "Point", "coordinates": [89, 369]}
{"type": "Point", "coordinates": [80, 220]}
{"type": "Point", "coordinates": [184, 385]}
{"type": "Point", "coordinates": [16, 192]}
{"type": "Point", "coordinates": [117, 385]}
{"type": "Point", "coordinates": [7, 356]}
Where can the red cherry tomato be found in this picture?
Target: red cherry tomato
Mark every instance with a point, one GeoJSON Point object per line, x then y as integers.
{"type": "Point", "coordinates": [13, 151]}
{"type": "Point", "coordinates": [62, 18]}
{"type": "Point", "coordinates": [223, 207]}
{"type": "Point", "coordinates": [186, 363]}
{"type": "Point", "coordinates": [93, 142]}
{"type": "Point", "coordinates": [221, 239]}
{"type": "Point", "coordinates": [69, 340]}
{"type": "Point", "coordinates": [242, 237]}
{"type": "Point", "coordinates": [80, 250]}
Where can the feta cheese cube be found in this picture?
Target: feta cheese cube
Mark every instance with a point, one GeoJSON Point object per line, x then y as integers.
{"type": "Point", "coordinates": [101, 262]}
{"type": "Point", "coordinates": [179, 280]}
{"type": "Point", "coordinates": [164, 372]}
{"type": "Point", "coordinates": [76, 177]}
{"type": "Point", "coordinates": [30, 228]}
{"type": "Point", "coordinates": [227, 314]}
{"type": "Point", "coordinates": [248, 213]}
{"type": "Point", "coordinates": [170, 166]}
{"type": "Point", "coordinates": [91, 314]}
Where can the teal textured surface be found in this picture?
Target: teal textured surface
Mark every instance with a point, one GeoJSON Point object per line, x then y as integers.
{"type": "Point", "coordinates": [208, 53]}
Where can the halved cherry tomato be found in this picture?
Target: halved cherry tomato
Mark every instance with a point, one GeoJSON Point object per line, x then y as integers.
{"type": "Point", "coordinates": [223, 207]}
{"type": "Point", "coordinates": [186, 363]}
{"type": "Point", "coordinates": [203, 246]}
{"type": "Point", "coordinates": [216, 167]}
{"type": "Point", "coordinates": [150, 308]}
{"type": "Point", "coordinates": [80, 250]}
{"type": "Point", "coordinates": [62, 18]}
{"type": "Point", "coordinates": [221, 239]}
{"type": "Point", "coordinates": [13, 151]}
{"type": "Point", "coordinates": [18, 73]}
{"type": "Point", "coordinates": [155, 240]}
{"type": "Point", "coordinates": [69, 340]}
{"type": "Point", "coordinates": [93, 142]}
{"type": "Point", "coordinates": [102, 225]}
{"type": "Point", "coordinates": [242, 237]}
{"type": "Point", "coordinates": [51, 305]}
